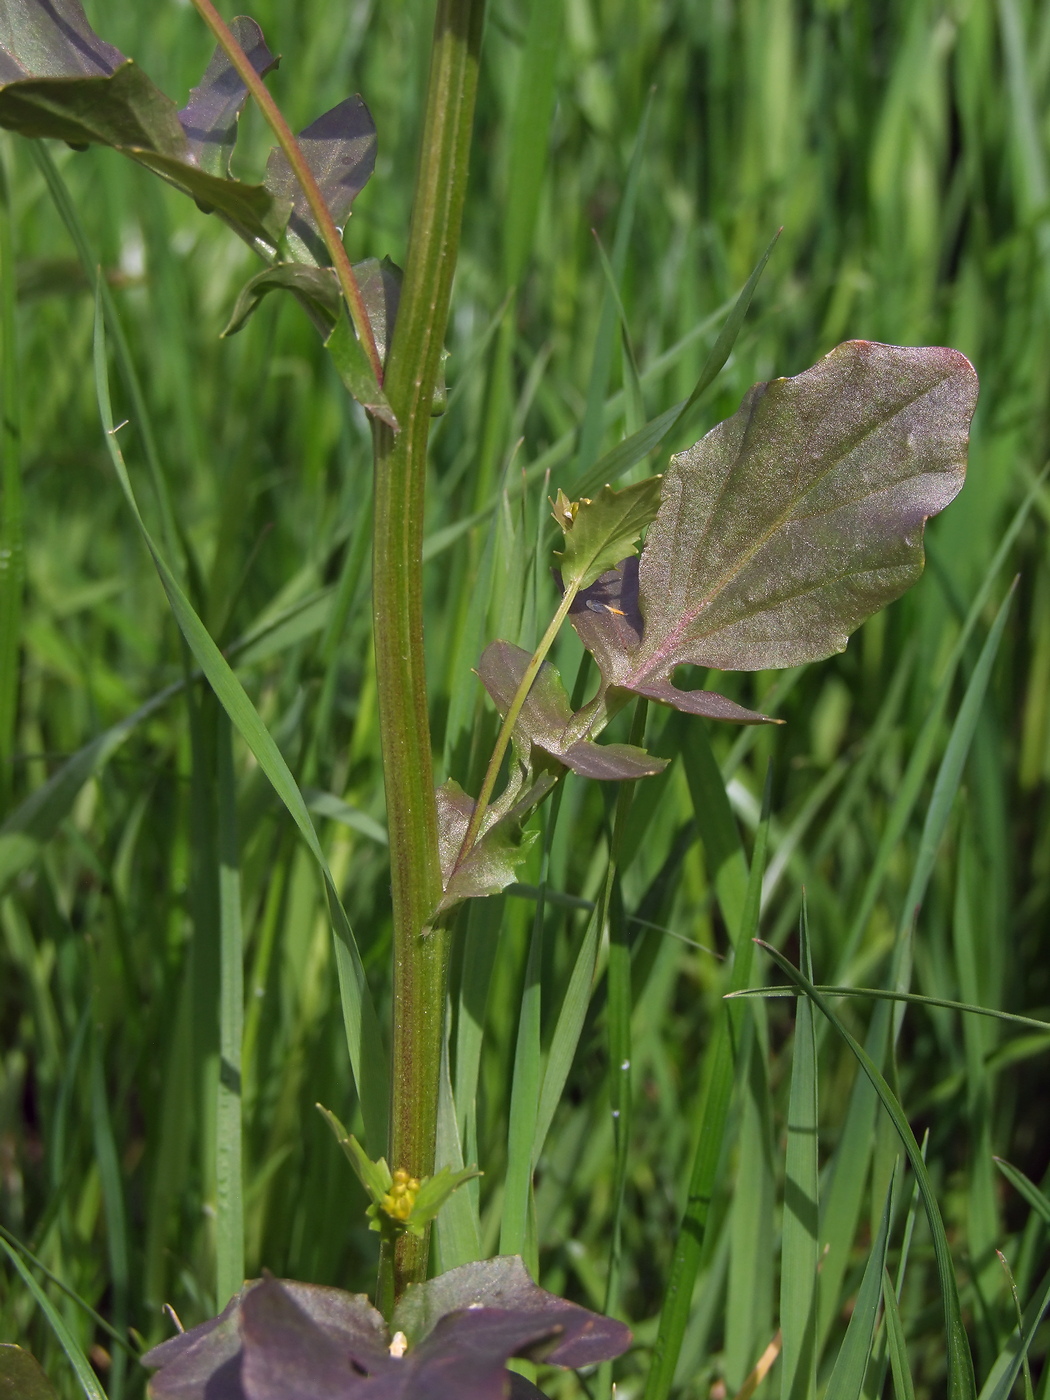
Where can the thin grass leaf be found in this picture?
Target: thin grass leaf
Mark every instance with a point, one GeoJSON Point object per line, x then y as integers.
{"type": "Point", "coordinates": [800, 1246]}
{"type": "Point", "coordinates": [949, 774]}
{"type": "Point", "coordinates": [909, 998]}
{"type": "Point", "coordinates": [592, 426]}
{"type": "Point", "coordinates": [86, 1377]}
{"type": "Point", "coordinates": [1001, 1377]}
{"type": "Point", "coordinates": [1037, 1199]}
{"type": "Point", "coordinates": [229, 1188]}
{"type": "Point", "coordinates": [116, 1214]}
{"type": "Point", "coordinates": [961, 1385]}
{"type": "Point", "coordinates": [362, 1028]}
{"type": "Point", "coordinates": [903, 1386]}
{"type": "Point", "coordinates": [634, 448]}
{"type": "Point", "coordinates": [457, 1229]}
{"type": "Point", "coordinates": [526, 1089]}
{"type": "Point", "coordinates": [713, 1117]}
{"type": "Point", "coordinates": [12, 543]}
{"type": "Point", "coordinates": [847, 1376]}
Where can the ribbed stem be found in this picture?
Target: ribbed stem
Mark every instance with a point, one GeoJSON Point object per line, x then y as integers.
{"type": "Point", "coordinates": [420, 949]}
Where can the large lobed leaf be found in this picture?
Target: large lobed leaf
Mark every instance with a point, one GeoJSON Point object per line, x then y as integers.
{"type": "Point", "coordinates": [279, 1340]}
{"type": "Point", "coordinates": [788, 524]}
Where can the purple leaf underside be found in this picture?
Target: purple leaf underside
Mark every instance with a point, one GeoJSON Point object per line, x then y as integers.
{"type": "Point", "coordinates": [608, 620]}
{"type": "Point", "coordinates": [210, 117]}
{"type": "Point", "coordinates": [290, 1341]}
{"type": "Point", "coordinates": [788, 524]}
{"type": "Point", "coordinates": [59, 80]}
{"type": "Point", "coordinates": [546, 719]}
{"type": "Point", "coordinates": [340, 149]}
{"type": "Point", "coordinates": [504, 1285]}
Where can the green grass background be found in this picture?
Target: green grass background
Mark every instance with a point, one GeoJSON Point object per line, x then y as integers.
{"type": "Point", "coordinates": [905, 150]}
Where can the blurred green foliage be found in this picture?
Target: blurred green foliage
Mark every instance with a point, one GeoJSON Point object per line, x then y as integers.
{"type": "Point", "coordinates": [904, 147]}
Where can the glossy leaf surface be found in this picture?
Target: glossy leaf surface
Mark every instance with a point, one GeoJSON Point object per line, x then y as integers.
{"type": "Point", "coordinates": [546, 719]}
{"type": "Point", "coordinates": [210, 117]}
{"type": "Point", "coordinates": [340, 149]}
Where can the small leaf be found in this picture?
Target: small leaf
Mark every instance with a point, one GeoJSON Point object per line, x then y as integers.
{"type": "Point", "coordinates": [503, 1286]}
{"type": "Point", "coordinates": [546, 719]}
{"type": "Point", "coordinates": [340, 149]}
{"type": "Point", "coordinates": [501, 847]}
{"type": "Point", "coordinates": [356, 372]}
{"type": "Point", "coordinates": [210, 117]}
{"type": "Point", "coordinates": [21, 1377]}
{"type": "Point", "coordinates": [316, 285]}
{"type": "Point", "coordinates": [374, 1176]}
{"type": "Point", "coordinates": [600, 532]}
{"type": "Point", "coordinates": [433, 1192]}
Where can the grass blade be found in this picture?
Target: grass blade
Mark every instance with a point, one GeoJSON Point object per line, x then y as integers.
{"type": "Point", "coordinates": [362, 1028]}
{"type": "Point", "coordinates": [12, 545]}
{"type": "Point", "coordinates": [713, 1116]}
{"type": "Point", "coordinates": [903, 1386]}
{"type": "Point", "coordinates": [961, 1385]}
{"type": "Point", "coordinates": [116, 1215]}
{"type": "Point", "coordinates": [847, 1376]}
{"type": "Point", "coordinates": [800, 1248]}
{"type": "Point", "coordinates": [82, 1367]}
{"type": "Point", "coordinates": [229, 1201]}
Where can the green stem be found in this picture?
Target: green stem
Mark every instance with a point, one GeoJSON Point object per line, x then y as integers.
{"type": "Point", "coordinates": [12, 545]}
{"type": "Point", "coordinates": [510, 719]}
{"type": "Point", "coordinates": [420, 949]}
{"type": "Point", "coordinates": [305, 176]}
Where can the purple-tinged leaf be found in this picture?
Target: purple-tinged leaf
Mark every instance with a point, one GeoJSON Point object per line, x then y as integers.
{"type": "Point", "coordinates": [794, 520]}
{"type": "Point", "coordinates": [504, 1285]}
{"type": "Point", "coordinates": [51, 40]}
{"type": "Point", "coordinates": [600, 532]}
{"type": "Point", "coordinates": [210, 117]}
{"type": "Point", "coordinates": [340, 149]}
{"type": "Point", "coordinates": [280, 1340]}
{"type": "Point", "coordinates": [787, 525]}
{"type": "Point", "coordinates": [295, 1348]}
{"type": "Point", "coordinates": [546, 719]}
{"type": "Point", "coordinates": [491, 864]}
{"type": "Point", "coordinates": [58, 79]}
{"type": "Point", "coordinates": [201, 1364]}
{"type": "Point", "coordinates": [22, 1377]}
